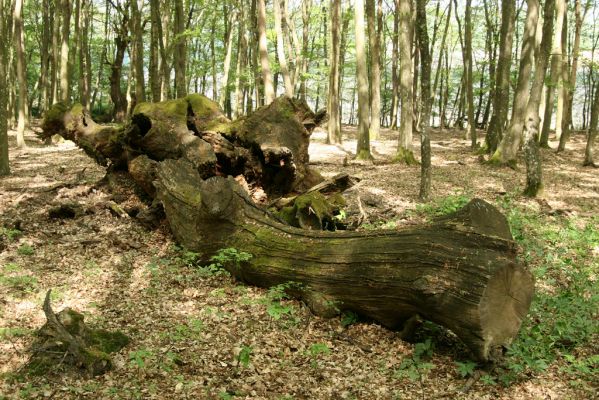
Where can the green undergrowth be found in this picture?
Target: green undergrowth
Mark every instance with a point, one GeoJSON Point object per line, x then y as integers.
{"type": "Point", "coordinates": [443, 205]}
{"type": "Point", "coordinates": [563, 254]}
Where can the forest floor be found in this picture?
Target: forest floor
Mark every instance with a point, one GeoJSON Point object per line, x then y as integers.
{"type": "Point", "coordinates": [196, 334]}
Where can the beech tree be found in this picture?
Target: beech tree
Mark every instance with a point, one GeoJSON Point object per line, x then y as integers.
{"type": "Point", "coordinates": [363, 149]}
{"type": "Point", "coordinates": [425, 100]}
{"type": "Point", "coordinates": [4, 166]}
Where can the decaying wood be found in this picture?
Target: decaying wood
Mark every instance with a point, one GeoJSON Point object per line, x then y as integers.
{"type": "Point", "coordinates": [460, 271]}
{"type": "Point", "coordinates": [268, 147]}
{"type": "Point", "coordinates": [66, 335]}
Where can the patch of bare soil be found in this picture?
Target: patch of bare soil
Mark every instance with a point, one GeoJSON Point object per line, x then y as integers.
{"type": "Point", "coordinates": [200, 335]}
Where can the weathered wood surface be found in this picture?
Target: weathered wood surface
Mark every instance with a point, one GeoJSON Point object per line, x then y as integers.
{"type": "Point", "coordinates": [460, 271]}
{"type": "Point", "coordinates": [268, 147]}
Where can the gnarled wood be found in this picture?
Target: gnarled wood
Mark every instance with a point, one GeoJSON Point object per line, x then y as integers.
{"type": "Point", "coordinates": [460, 271]}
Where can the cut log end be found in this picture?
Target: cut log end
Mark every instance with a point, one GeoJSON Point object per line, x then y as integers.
{"type": "Point", "coordinates": [504, 304]}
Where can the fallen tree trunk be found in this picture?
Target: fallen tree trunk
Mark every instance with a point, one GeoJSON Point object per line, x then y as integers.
{"type": "Point", "coordinates": [268, 147]}
{"type": "Point", "coordinates": [460, 272]}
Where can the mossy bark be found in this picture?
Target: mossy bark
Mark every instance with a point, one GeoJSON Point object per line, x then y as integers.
{"type": "Point", "coordinates": [461, 271]}
{"type": "Point", "coordinates": [268, 147]}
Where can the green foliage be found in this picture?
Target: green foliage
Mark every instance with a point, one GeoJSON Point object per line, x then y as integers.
{"type": "Point", "coordinates": [10, 234]}
{"type": "Point", "coordinates": [25, 250]}
{"type": "Point", "coordinates": [244, 356]}
{"type": "Point", "coordinates": [140, 358]}
{"type": "Point", "coordinates": [7, 333]}
{"type": "Point", "coordinates": [417, 367]}
{"type": "Point", "coordinates": [191, 330]}
{"type": "Point", "coordinates": [318, 348]}
{"type": "Point", "coordinates": [276, 294]}
{"type": "Point", "coordinates": [25, 283]}
{"type": "Point", "coordinates": [225, 259]}
{"type": "Point", "coordinates": [564, 312]}
{"type": "Point", "coordinates": [443, 206]}
{"type": "Point", "coordinates": [465, 369]}
{"type": "Point", "coordinates": [349, 318]}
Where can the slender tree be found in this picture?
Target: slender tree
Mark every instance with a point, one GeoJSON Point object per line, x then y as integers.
{"type": "Point", "coordinates": [404, 150]}
{"type": "Point", "coordinates": [555, 71]}
{"type": "Point", "coordinates": [334, 126]}
{"type": "Point", "coordinates": [224, 87]}
{"type": "Point", "coordinates": [269, 92]}
{"type": "Point", "coordinates": [21, 77]}
{"type": "Point", "coordinates": [65, 68]}
{"type": "Point", "coordinates": [502, 79]}
{"type": "Point", "coordinates": [4, 165]}
{"type": "Point", "coordinates": [375, 70]}
{"type": "Point", "coordinates": [534, 171]}
{"type": "Point", "coordinates": [363, 149]}
{"type": "Point", "coordinates": [592, 134]}
{"type": "Point", "coordinates": [281, 49]}
{"type": "Point", "coordinates": [137, 49]}
{"type": "Point", "coordinates": [425, 100]}
{"type": "Point", "coordinates": [180, 54]}
{"type": "Point", "coordinates": [468, 73]}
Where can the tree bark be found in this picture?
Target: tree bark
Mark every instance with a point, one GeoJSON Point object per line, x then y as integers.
{"type": "Point", "coordinates": [21, 72]}
{"type": "Point", "coordinates": [306, 5]}
{"type": "Point", "coordinates": [269, 92]}
{"type": "Point", "coordinates": [375, 70]}
{"type": "Point", "coordinates": [469, 78]}
{"type": "Point", "coordinates": [404, 149]}
{"type": "Point", "coordinates": [137, 50]}
{"type": "Point", "coordinates": [508, 148]}
{"type": "Point", "coordinates": [534, 172]}
{"type": "Point", "coordinates": [224, 91]}
{"type": "Point", "coordinates": [65, 78]}
{"type": "Point", "coordinates": [281, 49]}
{"type": "Point", "coordinates": [154, 74]}
{"type": "Point", "coordinates": [555, 72]}
{"type": "Point", "coordinates": [334, 126]}
{"type": "Point", "coordinates": [425, 100]}
{"type": "Point", "coordinates": [180, 54]}
{"type": "Point", "coordinates": [460, 272]}
{"type": "Point", "coordinates": [4, 164]}
{"type": "Point", "coordinates": [502, 80]}
{"type": "Point", "coordinates": [363, 149]}
{"type": "Point", "coordinates": [592, 134]}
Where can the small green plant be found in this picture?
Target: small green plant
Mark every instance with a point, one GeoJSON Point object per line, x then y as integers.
{"type": "Point", "coordinates": [25, 250]}
{"type": "Point", "coordinates": [9, 233]}
{"type": "Point", "coordinates": [276, 294]}
{"type": "Point", "coordinates": [416, 367]}
{"type": "Point", "coordinates": [192, 329]}
{"type": "Point", "coordinates": [140, 358]}
{"type": "Point", "coordinates": [25, 283]}
{"type": "Point", "coordinates": [318, 348]}
{"type": "Point", "coordinates": [244, 356]}
{"type": "Point", "coordinates": [465, 369]}
{"type": "Point", "coordinates": [349, 318]}
{"type": "Point", "coordinates": [223, 259]}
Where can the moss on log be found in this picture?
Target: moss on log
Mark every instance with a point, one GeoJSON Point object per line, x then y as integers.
{"type": "Point", "coordinates": [460, 272]}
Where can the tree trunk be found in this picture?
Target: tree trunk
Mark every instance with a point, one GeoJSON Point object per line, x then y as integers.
{"type": "Point", "coordinates": [394, 68]}
{"type": "Point", "coordinates": [555, 72]}
{"type": "Point", "coordinates": [571, 86]}
{"type": "Point", "coordinates": [534, 172]}
{"type": "Point", "coordinates": [563, 77]}
{"type": "Point", "coordinates": [4, 165]}
{"type": "Point", "coordinates": [404, 149]}
{"type": "Point", "coordinates": [375, 70]}
{"type": "Point", "coordinates": [425, 100]}
{"type": "Point", "coordinates": [137, 50]}
{"type": "Point", "coordinates": [334, 126]}
{"type": "Point", "coordinates": [460, 272]}
{"type": "Point", "coordinates": [116, 92]}
{"type": "Point", "coordinates": [21, 72]}
{"type": "Point", "coordinates": [508, 148]}
{"type": "Point", "coordinates": [306, 5]}
{"type": "Point", "coordinates": [269, 92]}
{"type": "Point", "coordinates": [46, 41]}
{"type": "Point", "coordinates": [363, 149]}
{"type": "Point", "coordinates": [469, 78]}
{"type": "Point", "coordinates": [281, 49]}
{"type": "Point", "coordinates": [180, 54]}
{"type": "Point", "coordinates": [65, 79]}
{"type": "Point", "coordinates": [154, 74]}
{"type": "Point", "coordinates": [224, 91]}
{"type": "Point", "coordinates": [502, 80]}
{"type": "Point", "coordinates": [592, 134]}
